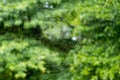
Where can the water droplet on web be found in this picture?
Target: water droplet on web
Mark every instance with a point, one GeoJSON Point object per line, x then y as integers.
{"type": "Point", "coordinates": [51, 6]}
{"type": "Point", "coordinates": [74, 38]}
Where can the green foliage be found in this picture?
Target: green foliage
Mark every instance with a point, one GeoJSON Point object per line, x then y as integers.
{"type": "Point", "coordinates": [26, 59]}
{"type": "Point", "coordinates": [59, 39]}
{"type": "Point", "coordinates": [95, 62]}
